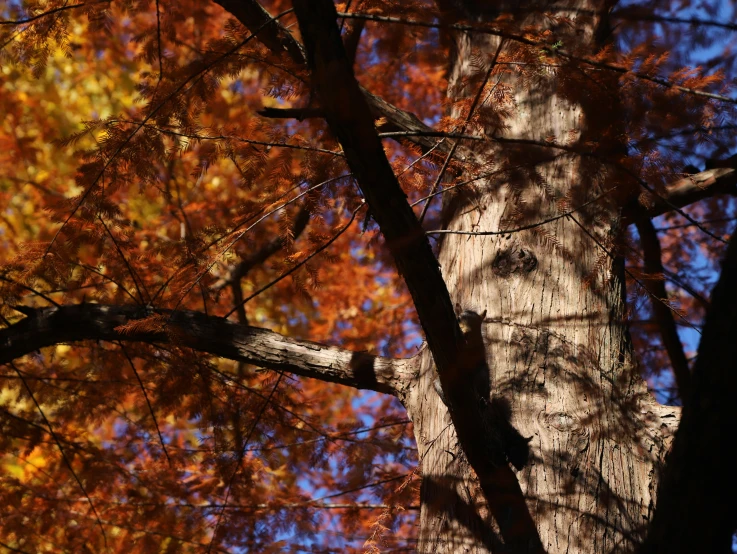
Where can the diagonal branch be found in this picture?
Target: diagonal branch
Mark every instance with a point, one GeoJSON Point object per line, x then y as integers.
{"type": "Point", "coordinates": [350, 119]}
{"type": "Point", "coordinates": [524, 39]}
{"type": "Point", "coordinates": [663, 313]}
{"type": "Point", "coordinates": [273, 34]}
{"type": "Point", "coordinates": [453, 148]}
{"type": "Point", "coordinates": [63, 453]}
{"type": "Point", "coordinates": [720, 177]}
{"type": "Point", "coordinates": [399, 120]}
{"type": "Point", "coordinates": [208, 334]}
{"type": "Point", "coordinates": [242, 268]}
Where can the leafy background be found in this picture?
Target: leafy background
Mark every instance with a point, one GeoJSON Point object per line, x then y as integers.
{"type": "Point", "coordinates": [135, 168]}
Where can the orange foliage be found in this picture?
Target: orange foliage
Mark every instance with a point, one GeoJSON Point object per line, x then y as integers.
{"type": "Point", "coordinates": [135, 169]}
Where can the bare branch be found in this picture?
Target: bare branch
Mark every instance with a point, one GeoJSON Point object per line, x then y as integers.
{"type": "Point", "coordinates": [350, 119]}
{"type": "Point", "coordinates": [719, 178]}
{"type": "Point", "coordinates": [686, 191]}
{"type": "Point", "coordinates": [523, 227]}
{"type": "Point", "coordinates": [302, 262]}
{"type": "Point", "coordinates": [665, 83]}
{"type": "Point", "coordinates": [399, 120]}
{"type": "Point", "coordinates": [151, 411]}
{"type": "Point", "coordinates": [640, 13]}
{"type": "Point", "coordinates": [453, 148]}
{"type": "Point", "coordinates": [655, 286]}
{"type": "Point", "coordinates": [63, 453]}
{"type": "Point", "coordinates": [271, 33]}
{"type": "Point", "coordinates": [54, 11]}
{"type": "Point", "coordinates": [209, 334]}
{"type": "Point", "coordinates": [228, 138]}
{"type": "Point", "coordinates": [242, 268]}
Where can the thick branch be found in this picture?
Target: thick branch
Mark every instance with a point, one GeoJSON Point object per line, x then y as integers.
{"type": "Point", "coordinates": [655, 284]}
{"type": "Point", "coordinates": [396, 121]}
{"type": "Point", "coordinates": [275, 37]}
{"type": "Point", "coordinates": [350, 119]}
{"type": "Point", "coordinates": [697, 500]}
{"type": "Point", "coordinates": [209, 334]}
{"type": "Point", "coordinates": [686, 191]}
{"type": "Point", "coordinates": [399, 120]}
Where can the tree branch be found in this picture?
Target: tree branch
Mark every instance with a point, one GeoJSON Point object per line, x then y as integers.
{"type": "Point", "coordinates": [399, 120]}
{"type": "Point", "coordinates": [242, 268]}
{"type": "Point", "coordinates": [349, 118]}
{"type": "Point", "coordinates": [697, 498]}
{"type": "Point", "coordinates": [655, 285]}
{"type": "Point", "coordinates": [684, 192]}
{"type": "Point", "coordinates": [247, 263]}
{"type": "Point", "coordinates": [209, 334]}
{"type": "Point", "coordinates": [275, 37]}
{"type": "Point", "coordinates": [524, 39]}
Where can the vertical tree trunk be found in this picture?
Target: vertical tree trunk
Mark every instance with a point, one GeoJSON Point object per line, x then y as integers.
{"type": "Point", "coordinates": [556, 344]}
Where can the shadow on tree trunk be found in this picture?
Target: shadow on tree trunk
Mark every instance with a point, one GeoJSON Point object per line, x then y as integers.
{"type": "Point", "coordinates": [512, 528]}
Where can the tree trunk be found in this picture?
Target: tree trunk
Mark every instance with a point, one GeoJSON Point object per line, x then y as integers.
{"type": "Point", "coordinates": [557, 346]}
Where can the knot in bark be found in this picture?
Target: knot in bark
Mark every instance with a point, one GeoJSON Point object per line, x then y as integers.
{"type": "Point", "coordinates": [513, 259]}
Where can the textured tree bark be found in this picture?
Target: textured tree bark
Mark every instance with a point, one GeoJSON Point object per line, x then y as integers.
{"type": "Point", "coordinates": [557, 348]}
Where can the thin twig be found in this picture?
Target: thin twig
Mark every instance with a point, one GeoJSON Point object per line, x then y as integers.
{"type": "Point", "coordinates": [301, 262]}
{"type": "Point", "coordinates": [67, 461]}
{"type": "Point", "coordinates": [241, 454]}
{"type": "Point", "coordinates": [453, 148]}
{"type": "Point", "coordinates": [148, 401]}
{"type": "Point", "coordinates": [523, 227]}
{"type": "Point", "coordinates": [538, 44]}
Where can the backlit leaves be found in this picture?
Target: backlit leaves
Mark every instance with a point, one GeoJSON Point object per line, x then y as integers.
{"type": "Point", "coordinates": [134, 169]}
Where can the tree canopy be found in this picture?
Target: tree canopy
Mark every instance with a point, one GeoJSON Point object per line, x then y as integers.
{"type": "Point", "coordinates": [217, 244]}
